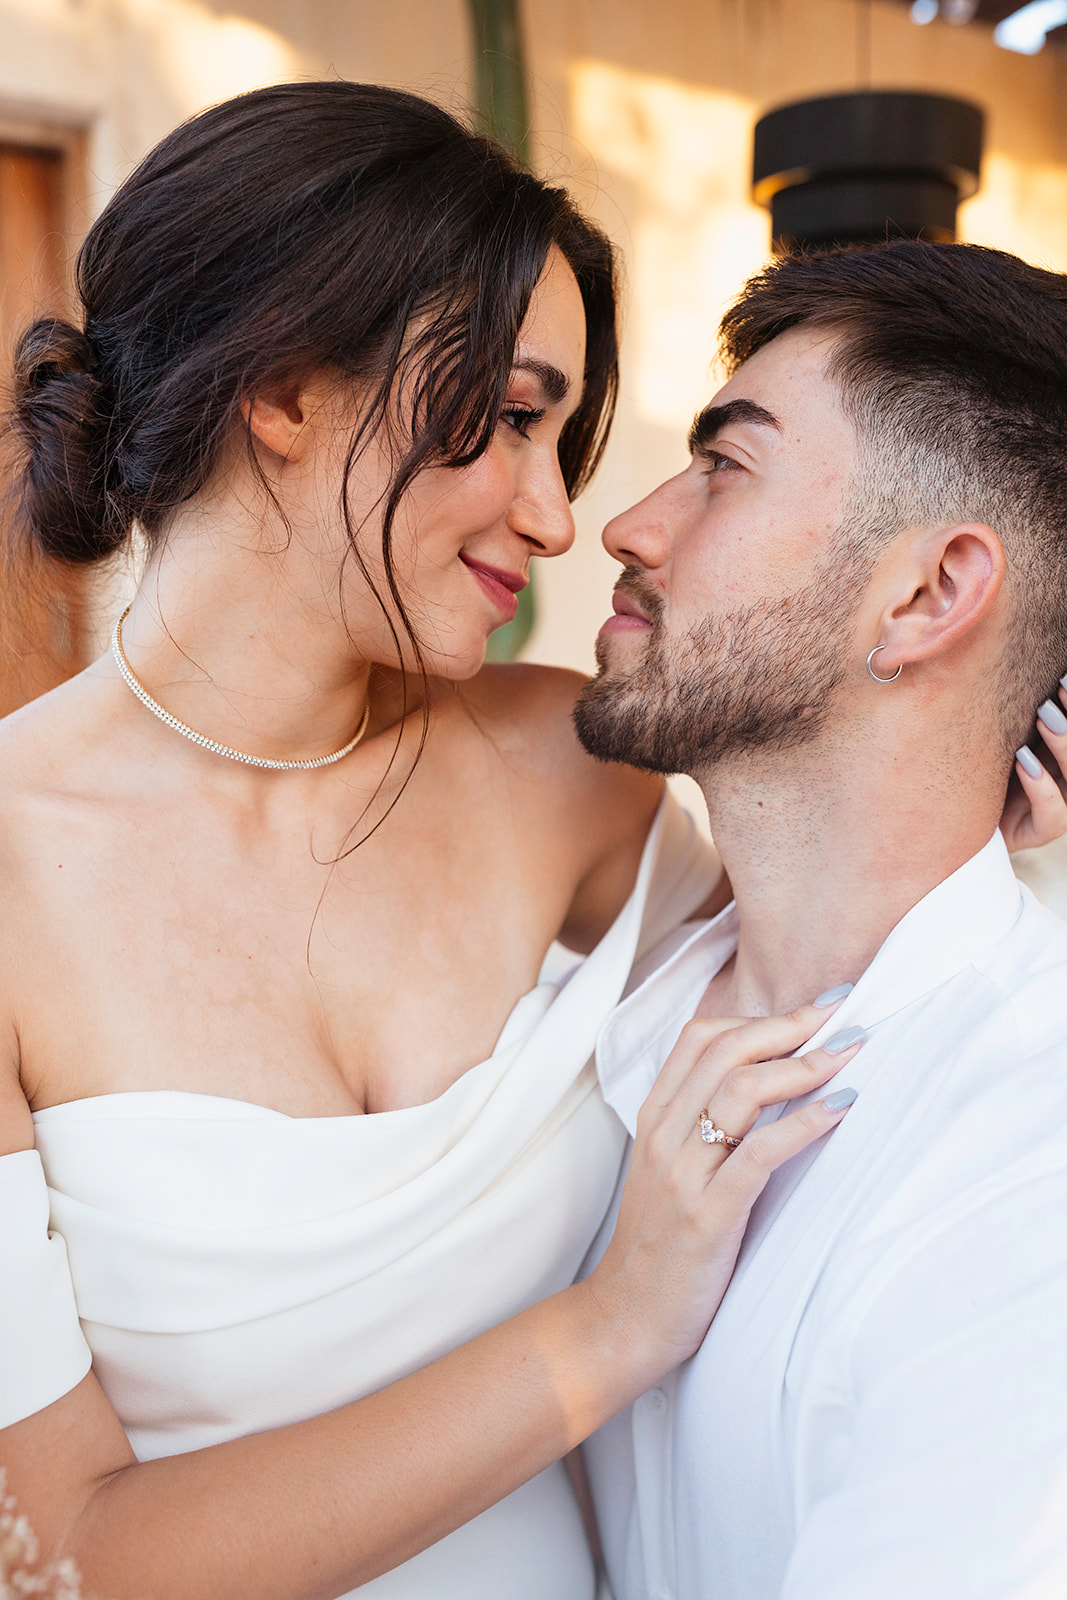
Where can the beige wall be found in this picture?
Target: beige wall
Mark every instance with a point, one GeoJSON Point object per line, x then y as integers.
{"type": "Point", "coordinates": [129, 70]}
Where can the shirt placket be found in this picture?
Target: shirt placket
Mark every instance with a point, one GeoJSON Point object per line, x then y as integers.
{"type": "Point", "coordinates": [653, 1437]}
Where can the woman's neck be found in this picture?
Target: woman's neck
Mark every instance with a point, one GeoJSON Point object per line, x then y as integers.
{"type": "Point", "coordinates": [242, 644]}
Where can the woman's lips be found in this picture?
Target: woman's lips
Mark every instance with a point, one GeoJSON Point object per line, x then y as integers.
{"type": "Point", "coordinates": [628, 617]}
{"type": "Point", "coordinates": [500, 585]}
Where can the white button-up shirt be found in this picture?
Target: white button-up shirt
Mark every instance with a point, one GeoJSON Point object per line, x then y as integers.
{"type": "Point", "coordinates": [879, 1411]}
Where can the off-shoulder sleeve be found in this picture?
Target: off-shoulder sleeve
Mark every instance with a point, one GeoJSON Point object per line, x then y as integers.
{"type": "Point", "coordinates": [43, 1352]}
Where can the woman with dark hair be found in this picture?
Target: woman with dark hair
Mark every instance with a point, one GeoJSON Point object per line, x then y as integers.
{"type": "Point", "coordinates": [286, 1070]}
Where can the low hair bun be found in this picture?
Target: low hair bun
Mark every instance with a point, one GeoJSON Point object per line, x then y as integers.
{"type": "Point", "coordinates": [59, 420]}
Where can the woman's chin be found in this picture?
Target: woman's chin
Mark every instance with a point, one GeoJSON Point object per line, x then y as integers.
{"type": "Point", "coordinates": [456, 661]}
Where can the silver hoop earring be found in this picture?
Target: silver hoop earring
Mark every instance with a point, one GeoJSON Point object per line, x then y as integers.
{"type": "Point", "coordinates": [874, 674]}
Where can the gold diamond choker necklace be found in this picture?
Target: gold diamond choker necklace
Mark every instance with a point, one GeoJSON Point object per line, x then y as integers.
{"type": "Point", "coordinates": [202, 739]}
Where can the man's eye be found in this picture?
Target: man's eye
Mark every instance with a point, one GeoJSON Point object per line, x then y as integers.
{"type": "Point", "coordinates": [521, 418]}
{"type": "Point", "coordinates": [714, 463]}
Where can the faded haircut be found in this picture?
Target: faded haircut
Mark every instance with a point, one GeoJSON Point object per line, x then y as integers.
{"type": "Point", "coordinates": [952, 363]}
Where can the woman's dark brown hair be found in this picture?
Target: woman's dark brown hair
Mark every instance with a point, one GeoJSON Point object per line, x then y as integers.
{"type": "Point", "coordinates": [304, 228]}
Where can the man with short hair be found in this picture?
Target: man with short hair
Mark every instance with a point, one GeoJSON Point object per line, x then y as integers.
{"type": "Point", "coordinates": [831, 619]}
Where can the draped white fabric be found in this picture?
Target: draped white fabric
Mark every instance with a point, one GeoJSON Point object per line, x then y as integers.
{"type": "Point", "coordinates": [236, 1269]}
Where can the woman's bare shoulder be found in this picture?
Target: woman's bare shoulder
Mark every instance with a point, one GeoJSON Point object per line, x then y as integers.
{"type": "Point", "coordinates": [35, 736]}
{"type": "Point", "coordinates": [43, 760]}
{"type": "Point", "coordinates": [24, 765]}
{"type": "Point", "coordinates": [518, 689]}
{"type": "Point", "coordinates": [53, 747]}
{"type": "Point", "coordinates": [16, 1124]}
{"type": "Point", "coordinates": [527, 710]}
{"type": "Point", "coordinates": [35, 755]}
{"type": "Point", "coordinates": [16, 836]}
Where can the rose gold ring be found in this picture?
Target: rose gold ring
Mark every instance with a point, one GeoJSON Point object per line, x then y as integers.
{"type": "Point", "coordinates": [714, 1135]}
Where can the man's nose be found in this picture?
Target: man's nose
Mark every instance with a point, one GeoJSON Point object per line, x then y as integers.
{"type": "Point", "coordinates": [641, 536]}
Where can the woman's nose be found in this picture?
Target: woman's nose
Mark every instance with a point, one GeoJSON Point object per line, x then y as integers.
{"type": "Point", "coordinates": [541, 511]}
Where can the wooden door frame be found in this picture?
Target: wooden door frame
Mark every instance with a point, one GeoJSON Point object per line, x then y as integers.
{"type": "Point", "coordinates": [66, 134]}
{"type": "Point", "coordinates": [46, 607]}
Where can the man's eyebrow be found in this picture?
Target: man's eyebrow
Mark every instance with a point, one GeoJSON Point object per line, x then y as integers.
{"type": "Point", "coordinates": [556, 384]}
{"type": "Point", "coordinates": [713, 419]}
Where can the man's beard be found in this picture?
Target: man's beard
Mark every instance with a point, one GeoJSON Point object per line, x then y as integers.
{"type": "Point", "coordinates": [763, 678]}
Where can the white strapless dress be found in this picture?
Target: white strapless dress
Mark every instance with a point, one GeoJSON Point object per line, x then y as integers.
{"type": "Point", "coordinates": [235, 1269]}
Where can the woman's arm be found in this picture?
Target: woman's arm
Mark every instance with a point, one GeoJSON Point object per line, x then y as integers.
{"type": "Point", "coordinates": [309, 1511]}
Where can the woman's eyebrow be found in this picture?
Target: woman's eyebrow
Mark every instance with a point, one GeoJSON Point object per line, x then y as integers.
{"type": "Point", "coordinates": [713, 419]}
{"type": "Point", "coordinates": [556, 384]}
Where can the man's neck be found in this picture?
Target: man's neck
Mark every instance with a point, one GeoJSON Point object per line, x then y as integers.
{"type": "Point", "coordinates": [826, 854]}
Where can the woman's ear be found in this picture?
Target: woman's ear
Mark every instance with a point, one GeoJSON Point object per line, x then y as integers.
{"type": "Point", "coordinates": [278, 420]}
{"type": "Point", "coordinates": [954, 577]}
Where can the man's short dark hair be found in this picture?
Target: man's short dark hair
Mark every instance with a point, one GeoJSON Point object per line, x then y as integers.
{"type": "Point", "coordinates": [952, 362]}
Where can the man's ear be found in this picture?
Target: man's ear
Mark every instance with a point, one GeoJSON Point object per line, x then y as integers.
{"type": "Point", "coordinates": [952, 578]}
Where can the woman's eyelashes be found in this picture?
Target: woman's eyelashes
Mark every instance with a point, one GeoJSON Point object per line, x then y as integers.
{"type": "Point", "coordinates": [522, 418]}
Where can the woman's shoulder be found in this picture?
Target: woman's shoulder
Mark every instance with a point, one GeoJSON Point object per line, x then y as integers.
{"type": "Point", "coordinates": [599, 811]}
{"type": "Point", "coordinates": [38, 751]}
{"type": "Point", "coordinates": [23, 765]}
{"type": "Point", "coordinates": [517, 690]}
{"type": "Point", "coordinates": [50, 778]}
{"type": "Point", "coordinates": [54, 745]}
{"type": "Point", "coordinates": [528, 711]}
{"type": "Point", "coordinates": [16, 835]}
{"type": "Point", "coordinates": [48, 722]}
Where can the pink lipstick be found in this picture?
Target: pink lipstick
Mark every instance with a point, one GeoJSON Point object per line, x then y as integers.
{"type": "Point", "coordinates": [500, 585]}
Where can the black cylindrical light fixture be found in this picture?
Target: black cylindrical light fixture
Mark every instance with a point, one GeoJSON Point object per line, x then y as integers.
{"type": "Point", "coordinates": [860, 168]}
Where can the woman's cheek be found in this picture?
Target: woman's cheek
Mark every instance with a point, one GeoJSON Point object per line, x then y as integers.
{"type": "Point", "coordinates": [489, 489]}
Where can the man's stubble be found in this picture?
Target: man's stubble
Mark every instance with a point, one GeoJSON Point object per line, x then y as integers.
{"type": "Point", "coordinates": [760, 678]}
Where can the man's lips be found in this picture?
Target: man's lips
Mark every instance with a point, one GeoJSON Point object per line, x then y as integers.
{"type": "Point", "coordinates": [628, 618]}
{"type": "Point", "coordinates": [500, 585]}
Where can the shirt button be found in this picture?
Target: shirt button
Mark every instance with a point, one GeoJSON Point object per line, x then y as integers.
{"type": "Point", "coordinates": [657, 1399]}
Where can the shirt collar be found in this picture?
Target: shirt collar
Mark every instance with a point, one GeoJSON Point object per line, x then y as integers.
{"type": "Point", "coordinates": [945, 932]}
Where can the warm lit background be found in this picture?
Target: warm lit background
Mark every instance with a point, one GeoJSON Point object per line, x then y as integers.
{"type": "Point", "coordinates": [644, 107]}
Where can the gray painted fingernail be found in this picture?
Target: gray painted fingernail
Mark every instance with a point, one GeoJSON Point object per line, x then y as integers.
{"type": "Point", "coordinates": [1028, 761]}
{"type": "Point", "coordinates": [832, 996]}
{"type": "Point", "coordinates": [841, 1099]}
{"type": "Point", "coordinates": [1063, 681]}
{"type": "Point", "coordinates": [842, 1041]}
{"type": "Point", "coordinates": [1053, 718]}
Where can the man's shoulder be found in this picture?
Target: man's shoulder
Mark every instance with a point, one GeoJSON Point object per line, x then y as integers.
{"type": "Point", "coordinates": [1039, 935]}
{"type": "Point", "coordinates": [985, 1107]}
{"type": "Point", "coordinates": [969, 1087]}
{"type": "Point", "coordinates": [1028, 969]}
{"type": "Point", "coordinates": [1004, 1036]}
